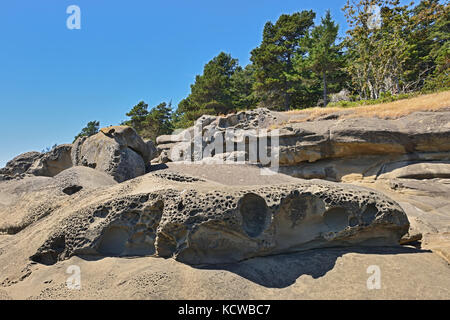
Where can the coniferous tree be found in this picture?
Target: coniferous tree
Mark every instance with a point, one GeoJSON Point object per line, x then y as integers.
{"type": "Point", "coordinates": [138, 115]}
{"type": "Point", "coordinates": [211, 92]}
{"type": "Point", "coordinates": [277, 85]}
{"type": "Point", "coordinates": [324, 56]}
{"type": "Point", "coordinates": [91, 128]}
{"type": "Point", "coordinates": [153, 123]}
{"type": "Point", "coordinates": [241, 91]}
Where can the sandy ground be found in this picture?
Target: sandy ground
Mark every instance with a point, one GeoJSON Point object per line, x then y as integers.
{"type": "Point", "coordinates": [405, 273]}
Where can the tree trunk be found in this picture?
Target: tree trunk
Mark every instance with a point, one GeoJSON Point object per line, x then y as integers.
{"type": "Point", "coordinates": [287, 99]}
{"type": "Point", "coordinates": [325, 99]}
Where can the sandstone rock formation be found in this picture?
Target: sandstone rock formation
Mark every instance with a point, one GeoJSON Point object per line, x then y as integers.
{"type": "Point", "coordinates": [118, 151]}
{"type": "Point", "coordinates": [242, 233]}
{"type": "Point", "coordinates": [407, 158]}
{"type": "Point", "coordinates": [199, 222]}
{"type": "Point", "coordinates": [19, 165]}
{"type": "Point", "coordinates": [47, 164]}
{"type": "Point", "coordinates": [369, 143]}
{"type": "Point", "coordinates": [25, 201]}
{"type": "Point", "coordinates": [52, 162]}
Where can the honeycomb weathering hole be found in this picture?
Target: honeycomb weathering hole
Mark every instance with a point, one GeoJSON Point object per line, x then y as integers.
{"type": "Point", "coordinates": [297, 207]}
{"type": "Point", "coordinates": [254, 212]}
{"type": "Point", "coordinates": [336, 218]}
{"type": "Point", "coordinates": [369, 214]}
{"type": "Point", "coordinates": [72, 190]}
{"type": "Point", "coordinates": [113, 241]}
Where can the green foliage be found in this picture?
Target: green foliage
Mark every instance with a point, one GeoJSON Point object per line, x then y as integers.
{"type": "Point", "coordinates": [138, 115]}
{"type": "Point", "coordinates": [242, 82]}
{"type": "Point", "coordinates": [277, 84]}
{"type": "Point", "coordinates": [211, 93]}
{"type": "Point", "coordinates": [297, 63]}
{"type": "Point", "coordinates": [384, 98]}
{"type": "Point", "coordinates": [325, 58]}
{"type": "Point", "coordinates": [153, 123]}
{"type": "Point", "coordinates": [402, 53]}
{"type": "Point", "coordinates": [439, 37]}
{"type": "Point", "coordinates": [91, 128]}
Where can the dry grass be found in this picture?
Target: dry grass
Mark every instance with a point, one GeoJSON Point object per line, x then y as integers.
{"type": "Point", "coordinates": [391, 110]}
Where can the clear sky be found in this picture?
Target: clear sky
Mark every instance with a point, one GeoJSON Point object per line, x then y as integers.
{"type": "Point", "coordinates": [54, 80]}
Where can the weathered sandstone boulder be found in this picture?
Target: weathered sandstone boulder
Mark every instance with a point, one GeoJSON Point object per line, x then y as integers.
{"type": "Point", "coordinates": [19, 165]}
{"type": "Point", "coordinates": [47, 164]}
{"type": "Point", "coordinates": [118, 151]}
{"type": "Point", "coordinates": [198, 221]}
{"type": "Point", "coordinates": [52, 162]}
{"type": "Point", "coordinates": [28, 200]}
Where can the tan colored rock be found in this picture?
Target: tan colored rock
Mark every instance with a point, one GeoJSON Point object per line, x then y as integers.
{"type": "Point", "coordinates": [118, 151]}
{"type": "Point", "coordinates": [200, 222]}
{"type": "Point", "coordinates": [52, 162]}
{"type": "Point", "coordinates": [19, 165]}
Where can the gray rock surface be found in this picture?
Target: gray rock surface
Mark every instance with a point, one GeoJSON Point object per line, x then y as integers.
{"type": "Point", "coordinates": [309, 142]}
{"type": "Point", "coordinates": [28, 200]}
{"type": "Point", "coordinates": [52, 162]}
{"type": "Point", "coordinates": [242, 234]}
{"type": "Point", "coordinates": [118, 151]}
{"type": "Point", "coordinates": [202, 222]}
{"type": "Point", "coordinates": [19, 165]}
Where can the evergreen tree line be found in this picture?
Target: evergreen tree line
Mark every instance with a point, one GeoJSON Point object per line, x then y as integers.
{"type": "Point", "coordinates": [389, 49]}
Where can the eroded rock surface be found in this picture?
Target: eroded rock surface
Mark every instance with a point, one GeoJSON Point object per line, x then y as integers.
{"type": "Point", "coordinates": [199, 222]}
{"type": "Point", "coordinates": [28, 200]}
{"type": "Point", "coordinates": [18, 166]}
{"type": "Point", "coordinates": [244, 233]}
{"type": "Point", "coordinates": [53, 162]}
{"type": "Point", "coordinates": [47, 164]}
{"type": "Point", "coordinates": [118, 151]}
{"type": "Point", "coordinates": [421, 136]}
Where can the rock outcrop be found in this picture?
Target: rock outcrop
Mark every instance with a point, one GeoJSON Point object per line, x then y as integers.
{"type": "Point", "coordinates": [366, 187]}
{"type": "Point", "coordinates": [47, 164]}
{"type": "Point", "coordinates": [18, 166]}
{"type": "Point", "coordinates": [416, 137]}
{"type": "Point", "coordinates": [53, 162]}
{"type": "Point", "coordinates": [407, 158]}
{"type": "Point", "coordinates": [118, 151]}
{"type": "Point", "coordinates": [199, 222]}
{"type": "Point", "coordinates": [28, 200]}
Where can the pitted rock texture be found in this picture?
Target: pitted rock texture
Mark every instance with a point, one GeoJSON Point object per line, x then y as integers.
{"type": "Point", "coordinates": [47, 164]}
{"type": "Point", "coordinates": [28, 200]}
{"type": "Point", "coordinates": [118, 151]}
{"type": "Point", "coordinates": [304, 143]}
{"type": "Point", "coordinates": [212, 224]}
{"type": "Point", "coordinates": [18, 166]}
{"type": "Point", "coordinates": [177, 177]}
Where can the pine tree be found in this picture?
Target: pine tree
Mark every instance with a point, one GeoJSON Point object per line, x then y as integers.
{"type": "Point", "coordinates": [241, 90]}
{"type": "Point", "coordinates": [91, 128]}
{"type": "Point", "coordinates": [138, 115]}
{"type": "Point", "coordinates": [153, 123]}
{"type": "Point", "coordinates": [158, 121]}
{"type": "Point", "coordinates": [211, 92]}
{"type": "Point", "coordinates": [324, 56]}
{"type": "Point", "coordinates": [276, 85]}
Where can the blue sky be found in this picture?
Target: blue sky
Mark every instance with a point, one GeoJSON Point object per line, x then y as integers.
{"type": "Point", "coordinates": [54, 80]}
